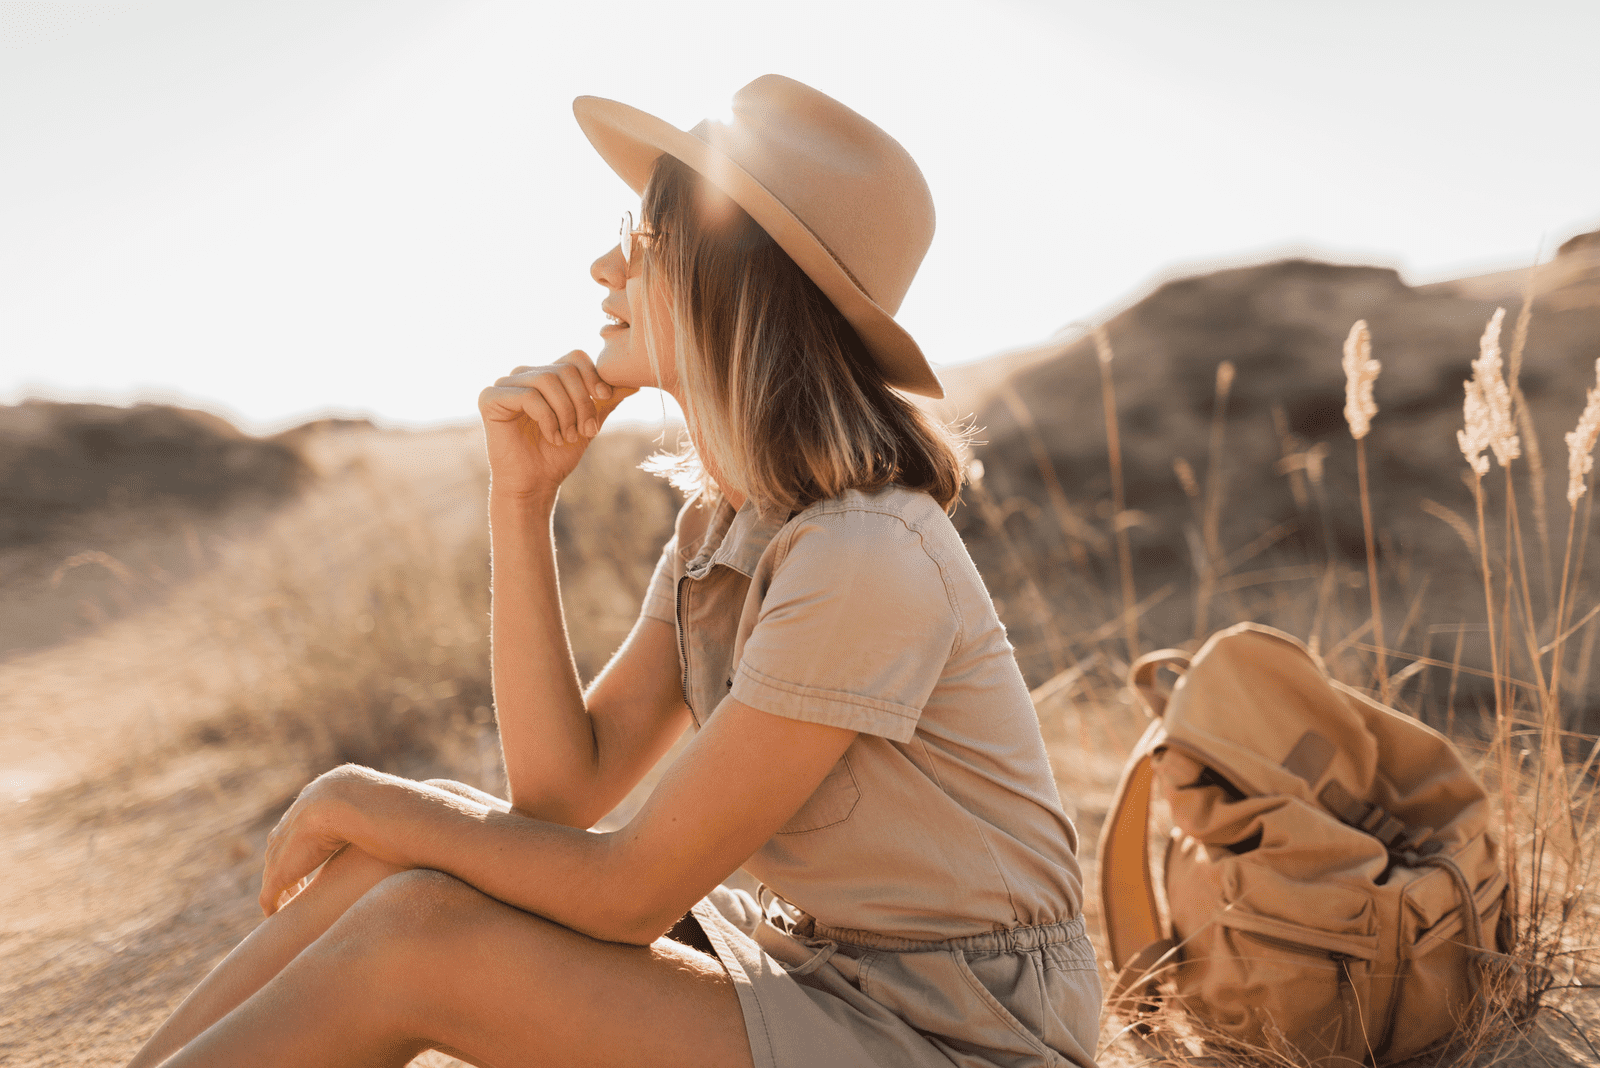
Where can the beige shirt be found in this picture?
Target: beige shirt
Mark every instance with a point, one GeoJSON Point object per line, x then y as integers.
{"type": "Point", "coordinates": [865, 612]}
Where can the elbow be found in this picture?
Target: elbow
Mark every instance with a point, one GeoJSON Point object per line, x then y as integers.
{"type": "Point", "coordinates": [640, 926]}
{"type": "Point", "coordinates": [565, 807]}
{"type": "Point", "coordinates": [636, 906]}
{"type": "Point", "coordinates": [632, 929]}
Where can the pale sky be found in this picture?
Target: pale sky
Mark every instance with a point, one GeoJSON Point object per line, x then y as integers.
{"type": "Point", "coordinates": [282, 209]}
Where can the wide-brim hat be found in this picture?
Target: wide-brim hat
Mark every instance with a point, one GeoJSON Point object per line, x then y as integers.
{"type": "Point", "coordinates": [840, 196]}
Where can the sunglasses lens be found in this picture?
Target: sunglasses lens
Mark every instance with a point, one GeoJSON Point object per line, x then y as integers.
{"type": "Point", "coordinates": [625, 240]}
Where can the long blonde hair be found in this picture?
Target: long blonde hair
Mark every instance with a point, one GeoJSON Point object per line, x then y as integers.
{"type": "Point", "coordinates": [777, 387]}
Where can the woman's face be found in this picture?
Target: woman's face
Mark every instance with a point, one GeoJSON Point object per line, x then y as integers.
{"type": "Point", "coordinates": [623, 359]}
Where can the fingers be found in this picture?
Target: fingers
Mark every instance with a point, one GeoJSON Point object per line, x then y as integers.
{"type": "Point", "coordinates": [596, 386]}
{"type": "Point", "coordinates": [560, 398]}
{"type": "Point", "coordinates": [502, 404]}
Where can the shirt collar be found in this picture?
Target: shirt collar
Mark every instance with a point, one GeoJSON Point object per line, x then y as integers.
{"type": "Point", "coordinates": [734, 539]}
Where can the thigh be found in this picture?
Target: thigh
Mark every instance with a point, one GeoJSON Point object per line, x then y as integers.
{"type": "Point", "coordinates": [504, 987]}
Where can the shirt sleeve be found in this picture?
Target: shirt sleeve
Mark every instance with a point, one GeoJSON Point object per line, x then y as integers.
{"type": "Point", "coordinates": [661, 596]}
{"type": "Point", "coordinates": [854, 630]}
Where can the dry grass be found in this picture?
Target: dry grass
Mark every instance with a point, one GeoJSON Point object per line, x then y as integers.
{"type": "Point", "coordinates": [371, 645]}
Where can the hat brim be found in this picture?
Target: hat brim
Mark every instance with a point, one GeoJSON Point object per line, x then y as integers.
{"type": "Point", "coordinates": [630, 141]}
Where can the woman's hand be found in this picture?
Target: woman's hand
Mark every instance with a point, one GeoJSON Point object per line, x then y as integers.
{"type": "Point", "coordinates": [303, 840]}
{"type": "Point", "coordinates": [306, 836]}
{"type": "Point", "coordinates": [326, 817]}
{"type": "Point", "coordinates": [539, 420]}
{"type": "Point", "coordinates": [388, 817]}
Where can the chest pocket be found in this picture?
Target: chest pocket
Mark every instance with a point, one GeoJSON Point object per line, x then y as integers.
{"type": "Point", "coordinates": [831, 804]}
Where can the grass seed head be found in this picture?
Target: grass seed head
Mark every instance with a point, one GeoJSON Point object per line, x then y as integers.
{"type": "Point", "coordinates": [1474, 436]}
{"type": "Point", "coordinates": [1488, 372]}
{"type": "Point", "coordinates": [1580, 443]}
{"type": "Point", "coordinates": [1360, 372]}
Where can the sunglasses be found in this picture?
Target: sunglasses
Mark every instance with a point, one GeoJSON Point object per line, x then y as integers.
{"type": "Point", "coordinates": [630, 239]}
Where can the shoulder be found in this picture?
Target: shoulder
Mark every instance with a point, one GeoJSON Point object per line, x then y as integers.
{"type": "Point", "coordinates": [877, 523]}
{"type": "Point", "coordinates": [892, 542]}
{"type": "Point", "coordinates": [864, 511]}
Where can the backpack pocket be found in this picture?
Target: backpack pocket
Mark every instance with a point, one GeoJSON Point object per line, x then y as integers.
{"type": "Point", "coordinates": [1275, 983]}
{"type": "Point", "coordinates": [1434, 984]}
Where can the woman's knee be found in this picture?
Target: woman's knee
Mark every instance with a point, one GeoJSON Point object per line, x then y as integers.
{"type": "Point", "coordinates": [412, 936]}
{"type": "Point", "coordinates": [410, 916]}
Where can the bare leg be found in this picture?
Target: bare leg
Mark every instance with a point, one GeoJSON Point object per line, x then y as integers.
{"type": "Point", "coordinates": [266, 950]}
{"type": "Point", "coordinates": [277, 941]}
{"type": "Point", "coordinates": [424, 960]}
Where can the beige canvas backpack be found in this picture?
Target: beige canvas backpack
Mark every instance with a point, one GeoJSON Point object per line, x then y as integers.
{"type": "Point", "coordinates": [1331, 881]}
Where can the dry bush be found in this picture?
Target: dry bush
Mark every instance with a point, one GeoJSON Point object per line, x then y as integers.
{"type": "Point", "coordinates": [363, 634]}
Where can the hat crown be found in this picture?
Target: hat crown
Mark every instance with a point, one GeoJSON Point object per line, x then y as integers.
{"type": "Point", "coordinates": [848, 182]}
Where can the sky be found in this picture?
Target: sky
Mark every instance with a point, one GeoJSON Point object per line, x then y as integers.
{"type": "Point", "coordinates": [278, 210]}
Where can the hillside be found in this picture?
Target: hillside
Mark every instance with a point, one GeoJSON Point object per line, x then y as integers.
{"type": "Point", "coordinates": [1282, 326]}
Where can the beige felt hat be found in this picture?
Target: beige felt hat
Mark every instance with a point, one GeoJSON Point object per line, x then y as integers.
{"type": "Point", "coordinates": [836, 193]}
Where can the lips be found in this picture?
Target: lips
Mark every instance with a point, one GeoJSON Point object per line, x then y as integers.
{"type": "Point", "coordinates": [613, 317]}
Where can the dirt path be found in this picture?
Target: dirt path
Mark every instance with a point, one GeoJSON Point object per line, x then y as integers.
{"type": "Point", "coordinates": [131, 849]}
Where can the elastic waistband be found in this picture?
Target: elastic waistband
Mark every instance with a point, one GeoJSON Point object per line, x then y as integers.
{"type": "Point", "coordinates": [1006, 940]}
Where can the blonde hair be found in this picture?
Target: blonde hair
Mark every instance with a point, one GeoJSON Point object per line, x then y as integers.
{"type": "Point", "coordinates": [777, 387]}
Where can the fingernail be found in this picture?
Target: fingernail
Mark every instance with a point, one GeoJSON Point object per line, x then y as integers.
{"type": "Point", "coordinates": [591, 428]}
{"type": "Point", "coordinates": [602, 391]}
{"type": "Point", "coordinates": [572, 433]}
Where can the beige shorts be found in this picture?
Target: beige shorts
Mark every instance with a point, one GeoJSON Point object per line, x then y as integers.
{"type": "Point", "coordinates": [817, 997]}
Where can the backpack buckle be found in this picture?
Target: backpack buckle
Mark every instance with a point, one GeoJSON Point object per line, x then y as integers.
{"type": "Point", "coordinates": [1372, 818]}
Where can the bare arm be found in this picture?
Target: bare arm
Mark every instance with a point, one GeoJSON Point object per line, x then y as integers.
{"type": "Point", "coordinates": [719, 802]}
{"type": "Point", "coordinates": [570, 757]}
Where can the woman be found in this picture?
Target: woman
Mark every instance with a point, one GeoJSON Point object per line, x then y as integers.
{"type": "Point", "coordinates": [865, 745]}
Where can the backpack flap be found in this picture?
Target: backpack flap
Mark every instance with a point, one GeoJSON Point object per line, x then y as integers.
{"type": "Point", "coordinates": [1262, 711]}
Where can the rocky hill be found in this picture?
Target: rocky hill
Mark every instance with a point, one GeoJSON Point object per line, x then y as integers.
{"type": "Point", "coordinates": [1282, 326]}
{"type": "Point", "coordinates": [60, 463]}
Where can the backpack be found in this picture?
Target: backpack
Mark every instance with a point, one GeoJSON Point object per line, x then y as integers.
{"type": "Point", "coordinates": [1331, 881]}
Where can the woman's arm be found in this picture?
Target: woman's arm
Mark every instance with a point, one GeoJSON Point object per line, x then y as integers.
{"type": "Point", "coordinates": [570, 757]}
{"type": "Point", "coordinates": [743, 776]}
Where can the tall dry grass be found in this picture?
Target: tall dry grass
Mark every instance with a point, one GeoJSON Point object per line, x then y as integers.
{"type": "Point", "coordinates": [1526, 746]}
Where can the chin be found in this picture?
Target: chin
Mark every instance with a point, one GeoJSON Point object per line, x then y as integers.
{"type": "Point", "coordinates": [618, 374]}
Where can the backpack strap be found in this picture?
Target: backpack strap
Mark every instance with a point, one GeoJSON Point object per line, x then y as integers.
{"type": "Point", "coordinates": [1127, 893]}
{"type": "Point", "coordinates": [1128, 908]}
{"type": "Point", "coordinates": [1137, 940]}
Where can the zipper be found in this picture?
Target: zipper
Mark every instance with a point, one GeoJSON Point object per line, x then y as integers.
{"type": "Point", "coordinates": [683, 650]}
{"type": "Point", "coordinates": [1400, 974]}
{"type": "Point", "coordinates": [1352, 1004]}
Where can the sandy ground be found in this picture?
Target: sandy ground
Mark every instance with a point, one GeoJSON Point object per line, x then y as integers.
{"type": "Point", "coordinates": [131, 846]}
{"type": "Point", "coordinates": [131, 849]}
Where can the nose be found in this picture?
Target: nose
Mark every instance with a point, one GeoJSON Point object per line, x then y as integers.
{"type": "Point", "coordinates": [610, 270]}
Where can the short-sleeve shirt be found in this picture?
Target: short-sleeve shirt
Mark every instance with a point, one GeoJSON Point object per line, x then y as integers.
{"type": "Point", "coordinates": [865, 612]}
